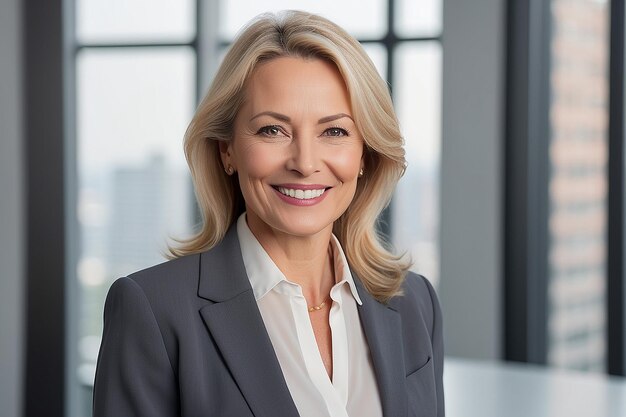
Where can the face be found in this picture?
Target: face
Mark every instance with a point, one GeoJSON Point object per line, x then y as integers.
{"type": "Point", "coordinates": [295, 147]}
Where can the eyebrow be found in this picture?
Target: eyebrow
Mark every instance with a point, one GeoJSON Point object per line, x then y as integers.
{"type": "Point", "coordinates": [334, 117]}
{"type": "Point", "coordinates": [287, 119]}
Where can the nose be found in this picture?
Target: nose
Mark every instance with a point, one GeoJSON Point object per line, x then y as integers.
{"type": "Point", "coordinates": [303, 156]}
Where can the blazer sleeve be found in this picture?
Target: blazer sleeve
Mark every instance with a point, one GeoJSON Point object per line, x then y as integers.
{"type": "Point", "coordinates": [437, 342]}
{"type": "Point", "coordinates": [134, 376]}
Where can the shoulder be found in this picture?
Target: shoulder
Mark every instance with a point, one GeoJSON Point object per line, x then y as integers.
{"type": "Point", "coordinates": [166, 278]}
{"type": "Point", "coordinates": [417, 285]}
{"type": "Point", "coordinates": [417, 292]}
{"type": "Point", "coordinates": [175, 272]}
{"type": "Point", "coordinates": [178, 282]}
{"type": "Point", "coordinates": [163, 288]}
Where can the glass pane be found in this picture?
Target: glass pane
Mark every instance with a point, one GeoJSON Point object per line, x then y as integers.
{"type": "Point", "coordinates": [418, 18]}
{"type": "Point", "coordinates": [135, 21]}
{"type": "Point", "coordinates": [378, 54]}
{"type": "Point", "coordinates": [578, 187]}
{"type": "Point", "coordinates": [134, 192]}
{"type": "Point", "coordinates": [363, 19]}
{"type": "Point", "coordinates": [415, 210]}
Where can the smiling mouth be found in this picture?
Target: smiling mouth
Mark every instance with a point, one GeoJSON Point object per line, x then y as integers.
{"type": "Point", "coordinates": [301, 194]}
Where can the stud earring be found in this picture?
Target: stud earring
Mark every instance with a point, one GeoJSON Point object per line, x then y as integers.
{"type": "Point", "coordinates": [230, 170]}
{"type": "Point", "coordinates": [361, 172]}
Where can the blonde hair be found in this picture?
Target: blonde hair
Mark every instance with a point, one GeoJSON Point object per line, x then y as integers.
{"type": "Point", "coordinates": [304, 35]}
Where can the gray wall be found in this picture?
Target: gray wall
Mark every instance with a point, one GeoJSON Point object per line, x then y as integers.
{"type": "Point", "coordinates": [472, 176]}
{"type": "Point", "coordinates": [11, 211]}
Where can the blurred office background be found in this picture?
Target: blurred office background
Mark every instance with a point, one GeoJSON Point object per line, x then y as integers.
{"type": "Point", "coordinates": [512, 203]}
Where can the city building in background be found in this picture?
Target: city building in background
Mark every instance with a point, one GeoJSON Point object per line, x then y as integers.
{"type": "Point", "coordinates": [127, 220]}
{"type": "Point", "coordinates": [578, 185]}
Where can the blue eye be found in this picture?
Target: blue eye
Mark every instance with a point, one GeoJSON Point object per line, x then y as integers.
{"type": "Point", "coordinates": [336, 131]}
{"type": "Point", "coordinates": [271, 130]}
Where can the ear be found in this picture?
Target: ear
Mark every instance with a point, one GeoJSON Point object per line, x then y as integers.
{"type": "Point", "coordinates": [226, 153]}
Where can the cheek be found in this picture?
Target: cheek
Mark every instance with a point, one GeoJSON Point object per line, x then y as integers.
{"type": "Point", "coordinates": [347, 164]}
{"type": "Point", "coordinates": [259, 161]}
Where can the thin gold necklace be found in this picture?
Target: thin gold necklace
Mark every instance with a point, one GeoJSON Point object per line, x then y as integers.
{"type": "Point", "coordinates": [318, 307]}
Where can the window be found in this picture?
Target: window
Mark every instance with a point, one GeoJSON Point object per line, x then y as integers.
{"type": "Point", "coordinates": [135, 68]}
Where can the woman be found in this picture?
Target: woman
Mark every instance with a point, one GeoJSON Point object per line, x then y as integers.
{"type": "Point", "coordinates": [285, 303]}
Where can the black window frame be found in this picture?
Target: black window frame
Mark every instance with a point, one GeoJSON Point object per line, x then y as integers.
{"type": "Point", "coordinates": [616, 227]}
{"type": "Point", "coordinates": [527, 172]}
{"type": "Point", "coordinates": [44, 157]}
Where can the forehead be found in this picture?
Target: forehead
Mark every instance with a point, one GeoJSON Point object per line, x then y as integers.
{"type": "Point", "coordinates": [291, 81]}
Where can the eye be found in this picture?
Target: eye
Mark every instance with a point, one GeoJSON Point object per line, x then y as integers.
{"type": "Point", "coordinates": [271, 130]}
{"type": "Point", "coordinates": [335, 131]}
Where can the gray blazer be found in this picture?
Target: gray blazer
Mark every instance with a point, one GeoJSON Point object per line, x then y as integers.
{"type": "Point", "coordinates": [185, 338]}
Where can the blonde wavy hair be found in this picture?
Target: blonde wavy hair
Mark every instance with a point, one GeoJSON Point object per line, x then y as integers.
{"type": "Point", "coordinates": [303, 35]}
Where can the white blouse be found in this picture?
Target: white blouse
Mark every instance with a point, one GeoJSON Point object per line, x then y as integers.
{"type": "Point", "coordinates": [353, 390]}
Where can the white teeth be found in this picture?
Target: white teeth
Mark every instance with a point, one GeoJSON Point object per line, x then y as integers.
{"type": "Point", "coordinates": [301, 194]}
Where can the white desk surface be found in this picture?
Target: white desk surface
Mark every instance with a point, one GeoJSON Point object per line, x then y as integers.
{"type": "Point", "coordinates": [499, 389]}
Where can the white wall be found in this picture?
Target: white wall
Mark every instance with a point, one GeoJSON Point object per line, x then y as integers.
{"type": "Point", "coordinates": [472, 176]}
{"type": "Point", "coordinates": [11, 211]}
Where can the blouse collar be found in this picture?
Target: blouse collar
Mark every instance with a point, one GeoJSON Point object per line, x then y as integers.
{"type": "Point", "coordinates": [264, 275]}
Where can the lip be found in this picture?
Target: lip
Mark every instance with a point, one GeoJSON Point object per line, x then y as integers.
{"type": "Point", "coordinates": [303, 186]}
{"type": "Point", "coordinates": [302, 203]}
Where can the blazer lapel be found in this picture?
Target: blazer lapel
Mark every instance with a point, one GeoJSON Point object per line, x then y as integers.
{"type": "Point", "coordinates": [237, 327]}
{"type": "Point", "coordinates": [383, 331]}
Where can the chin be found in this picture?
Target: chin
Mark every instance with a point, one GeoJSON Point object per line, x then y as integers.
{"type": "Point", "coordinates": [303, 227]}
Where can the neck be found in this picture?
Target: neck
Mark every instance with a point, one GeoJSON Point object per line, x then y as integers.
{"type": "Point", "coordinates": [304, 260]}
